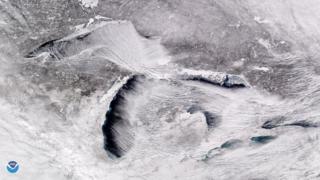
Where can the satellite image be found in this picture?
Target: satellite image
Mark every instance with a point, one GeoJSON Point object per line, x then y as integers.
{"type": "Point", "coordinates": [159, 90]}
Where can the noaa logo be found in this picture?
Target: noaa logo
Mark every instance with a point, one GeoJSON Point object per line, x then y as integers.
{"type": "Point", "coordinates": [12, 167]}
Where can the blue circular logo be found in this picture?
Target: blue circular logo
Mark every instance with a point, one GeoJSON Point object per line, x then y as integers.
{"type": "Point", "coordinates": [12, 167]}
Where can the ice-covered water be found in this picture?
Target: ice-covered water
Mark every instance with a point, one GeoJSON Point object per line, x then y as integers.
{"type": "Point", "coordinates": [186, 123]}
